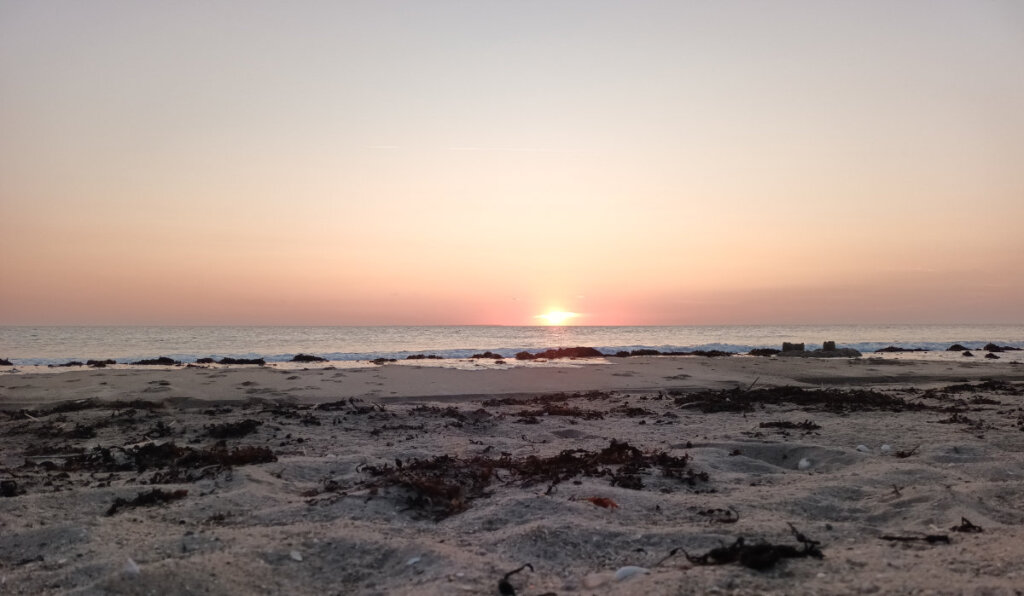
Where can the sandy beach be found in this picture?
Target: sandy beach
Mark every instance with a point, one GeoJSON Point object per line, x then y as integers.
{"type": "Point", "coordinates": [656, 475]}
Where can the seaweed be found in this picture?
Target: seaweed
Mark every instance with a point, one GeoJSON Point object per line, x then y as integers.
{"type": "Point", "coordinates": [232, 430]}
{"type": "Point", "coordinates": [505, 587]}
{"type": "Point", "coordinates": [989, 386]}
{"type": "Point", "coordinates": [165, 455]}
{"type": "Point", "coordinates": [561, 410]}
{"type": "Point", "coordinates": [721, 516]}
{"type": "Point", "coordinates": [806, 425]}
{"type": "Point", "coordinates": [830, 400]}
{"type": "Point", "coordinates": [444, 485]}
{"type": "Point", "coordinates": [905, 453]}
{"type": "Point", "coordinates": [156, 496]}
{"type": "Point", "coordinates": [759, 555]}
{"type": "Point", "coordinates": [548, 398]}
{"type": "Point", "coordinates": [967, 527]}
{"type": "Point", "coordinates": [631, 411]}
{"type": "Point", "coordinates": [929, 538]}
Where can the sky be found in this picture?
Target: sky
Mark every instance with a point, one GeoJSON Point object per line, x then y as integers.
{"type": "Point", "coordinates": [485, 162]}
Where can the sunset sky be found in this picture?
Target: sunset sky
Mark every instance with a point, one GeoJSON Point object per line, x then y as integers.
{"type": "Point", "coordinates": [480, 162]}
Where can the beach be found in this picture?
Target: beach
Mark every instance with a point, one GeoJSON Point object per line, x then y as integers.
{"type": "Point", "coordinates": [657, 475]}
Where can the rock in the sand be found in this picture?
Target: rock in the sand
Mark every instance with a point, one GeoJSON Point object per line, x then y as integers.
{"type": "Point", "coordinates": [956, 348]}
{"type": "Point", "coordinates": [8, 488]}
{"type": "Point", "coordinates": [791, 347]}
{"type": "Point", "coordinates": [897, 350]}
{"type": "Point", "coordinates": [837, 353]}
{"type": "Point", "coordinates": [66, 364]}
{"type": "Point", "coordinates": [967, 353]}
{"type": "Point", "coordinates": [707, 353]}
{"type": "Point", "coordinates": [629, 571]}
{"type": "Point", "coordinates": [235, 361]}
{"type": "Point", "coordinates": [307, 358]}
{"type": "Point", "coordinates": [991, 356]}
{"type": "Point", "coordinates": [5, 362]}
{"type": "Point", "coordinates": [161, 361]}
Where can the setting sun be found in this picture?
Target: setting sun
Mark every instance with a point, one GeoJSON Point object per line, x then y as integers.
{"type": "Point", "coordinates": [557, 317]}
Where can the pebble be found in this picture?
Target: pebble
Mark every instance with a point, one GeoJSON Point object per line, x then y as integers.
{"type": "Point", "coordinates": [863, 449]}
{"type": "Point", "coordinates": [629, 571]}
{"type": "Point", "coordinates": [296, 555]}
{"type": "Point", "coordinates": [886, 448]}
{"type": "Point", "coordinates": [804, 464]}
{"type": "Point", "coordinates": [131, 568]}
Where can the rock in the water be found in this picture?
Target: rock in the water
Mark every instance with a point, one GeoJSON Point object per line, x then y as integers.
{"type": "Point", "coordinates": [5, 362]}
{"type": "Point", "coordinates": [205, 361]}
{"type": "Point", "coordinates": [577, 352]}
{"type": "Point", "coordinates": [764, 352]}
{"type": "Point", "coordinates": [956, 348]}
{"type": "Point", "coordinates": [307, 358]}
{"type": "Point", "coordinates": [990, 347]}
{"type": "Point", "coordinates": [488, 354]}
{"type": "Point", "coordinates": [100, 363]}
{"type": "Point", "coordinates": [789, 347]}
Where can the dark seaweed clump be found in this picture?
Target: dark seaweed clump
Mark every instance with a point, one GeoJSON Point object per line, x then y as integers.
{"type": "Point", "coordinates": [147, 499]}
{"type": "Point", "coordinates": [830, 400]}
{"type": "Point", "coordinates": [444, 485]}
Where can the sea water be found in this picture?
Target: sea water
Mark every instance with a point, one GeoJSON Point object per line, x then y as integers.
{"type": "Point", "coordinates": [56, 345]}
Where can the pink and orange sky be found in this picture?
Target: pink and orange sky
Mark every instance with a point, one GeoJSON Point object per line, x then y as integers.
{"type": "Point", "coordinates": [442, 162]}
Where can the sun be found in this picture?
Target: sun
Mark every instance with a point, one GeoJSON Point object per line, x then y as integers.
{"type": "Point", "coordinates": [557, 317]}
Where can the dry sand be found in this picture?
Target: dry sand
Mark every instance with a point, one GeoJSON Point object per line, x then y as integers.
{"type": "Point", "coordinates": [334, 513]}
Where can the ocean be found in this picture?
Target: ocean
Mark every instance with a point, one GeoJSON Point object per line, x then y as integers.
{"type": "Point", "coordinates": [28, 346]}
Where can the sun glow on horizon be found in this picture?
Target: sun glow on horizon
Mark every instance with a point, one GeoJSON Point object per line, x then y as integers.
{"type": "Point", "coordinates": [557, 317]}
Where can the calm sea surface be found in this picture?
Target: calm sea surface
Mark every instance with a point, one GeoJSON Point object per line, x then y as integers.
{"type": "Point", "coordinates": [54, 345]}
